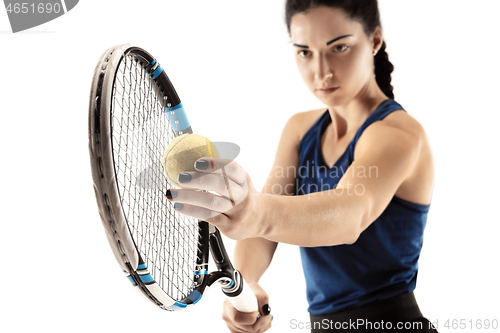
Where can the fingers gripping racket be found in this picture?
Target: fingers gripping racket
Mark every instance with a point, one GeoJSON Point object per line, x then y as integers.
{"type": "Point", "coordinates": [134, 113]}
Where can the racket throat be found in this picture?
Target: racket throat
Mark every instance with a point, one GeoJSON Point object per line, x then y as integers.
{"type": "Point", "coordinates": [227, 276]}
{"type": "Point", "coordinates": [235, 287]}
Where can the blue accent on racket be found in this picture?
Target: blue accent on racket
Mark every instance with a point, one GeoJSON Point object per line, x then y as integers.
{"type": "Point", "coordinates": [179, 115]}
{"type": "Point", "coordinates": [142, 266]}
{"type": "Point", "coordinates": [131, 279]}
{"type": "Point", "coordinates": [195, 296]}
{"type": "Point", "coordinates": [178, 306]}
{"type": "Point", "coordinates": [154, 62]}
{"type": "Point", "coordinates": [204, 272]}
{"type": "Point", "coordinates": [146, 278]}
{"type": "Point", "coordinates": [156, 73]}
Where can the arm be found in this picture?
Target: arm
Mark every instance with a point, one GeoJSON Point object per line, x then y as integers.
{"type": "Point", "coordinates": [339, 216]}
{"type": "Point", "coordinates": [252, 256]}
{"type": "Point", "coordinates": [389, 150]}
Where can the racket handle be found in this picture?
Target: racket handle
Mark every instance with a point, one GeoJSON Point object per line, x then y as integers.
{"type": "Point", "coordinates": [244, 300]}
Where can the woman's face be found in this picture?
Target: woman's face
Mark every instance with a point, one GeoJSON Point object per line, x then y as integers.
{"type": "Point", "coordinates": [326, 61]}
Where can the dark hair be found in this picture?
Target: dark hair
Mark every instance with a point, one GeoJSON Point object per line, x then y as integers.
{"type": "Point", "coordinates": [364, 11]}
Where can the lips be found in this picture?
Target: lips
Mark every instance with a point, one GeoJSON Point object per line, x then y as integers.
{"type": "Point", "coordinates": [327, 90]}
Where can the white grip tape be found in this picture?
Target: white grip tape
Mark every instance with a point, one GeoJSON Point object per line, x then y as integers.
{"type": "Point", "coordinates": [246, 300]}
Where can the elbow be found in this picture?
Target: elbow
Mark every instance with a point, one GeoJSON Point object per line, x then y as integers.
{"type": "Point", "coordinates": [344, 237]}
{"type": "Point", "coordinates": [353, 236]}
{"type": "Point", "coordinates": [356, 230]}
{"type": "Point", "coordinates": [359, 223]}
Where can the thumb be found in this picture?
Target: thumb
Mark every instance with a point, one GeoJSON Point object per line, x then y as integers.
{"type": "Point", "coordinates": [262, 298]}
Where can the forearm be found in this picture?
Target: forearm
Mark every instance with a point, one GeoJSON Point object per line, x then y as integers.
{"type": "Point", "coordinates": [252, 256]}
{"type": "Point", "coordinates": [317, 219]}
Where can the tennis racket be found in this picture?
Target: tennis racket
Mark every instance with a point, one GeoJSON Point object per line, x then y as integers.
{"type": "Point", "coordinates": [134, 113]}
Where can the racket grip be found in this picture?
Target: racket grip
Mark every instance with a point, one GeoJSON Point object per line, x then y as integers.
{"type": "Point", "coordinates": [245, 300]}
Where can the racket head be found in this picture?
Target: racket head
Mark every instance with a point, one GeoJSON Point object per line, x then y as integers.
{"type": "Point", "coordinates": [134, 112]}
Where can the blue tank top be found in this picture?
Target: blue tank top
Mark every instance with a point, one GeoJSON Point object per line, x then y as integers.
{"type": "Point", "coordinates": [383, 262]}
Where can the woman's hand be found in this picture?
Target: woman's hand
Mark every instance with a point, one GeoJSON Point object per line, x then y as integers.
{"type": "Point", "coordinates": [239, 322]}
{"type": "Point", "coordinates": [238, 209]}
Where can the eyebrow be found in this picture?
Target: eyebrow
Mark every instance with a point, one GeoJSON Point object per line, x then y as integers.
{"type": "Point", "coordinates": [328, 43]}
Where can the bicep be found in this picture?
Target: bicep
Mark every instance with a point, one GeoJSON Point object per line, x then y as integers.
{"type": "Point", "coordinates": [385, 156]}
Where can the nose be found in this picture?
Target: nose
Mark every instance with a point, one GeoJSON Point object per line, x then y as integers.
{"type": "Point", "coordinates": [322, 69]}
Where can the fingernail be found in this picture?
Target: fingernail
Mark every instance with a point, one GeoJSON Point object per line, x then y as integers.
{"type": "Point", "coordinates": [184, 178]}
{"type": "Point", "coordinates": [266, 309]}
{"type": "Point", "coordinates": [202, 165]}
{"type": "Point", "coordinates": [272, 317]}
{"type": "Point", "coordinates": [178, 206]}
{"type": "Point", "coordinates": [171, 194]}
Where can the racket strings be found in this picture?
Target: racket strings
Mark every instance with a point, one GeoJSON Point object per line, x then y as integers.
{"type": "Point", "coordinates": [166, 240]}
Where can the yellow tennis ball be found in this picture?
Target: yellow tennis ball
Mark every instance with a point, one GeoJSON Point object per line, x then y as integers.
{"type": "Point", "coordinates": [182, 152]}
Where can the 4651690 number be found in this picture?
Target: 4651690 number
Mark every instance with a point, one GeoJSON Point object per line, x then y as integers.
{"type": "Point", "coordinates": [24, 8]}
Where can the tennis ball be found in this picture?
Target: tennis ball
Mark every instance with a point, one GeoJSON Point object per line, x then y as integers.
{"type": "Point", "coordinates": [182, 152]}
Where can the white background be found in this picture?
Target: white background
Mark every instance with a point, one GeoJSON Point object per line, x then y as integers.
{"type": "Point", "coordinates": [232, 65]}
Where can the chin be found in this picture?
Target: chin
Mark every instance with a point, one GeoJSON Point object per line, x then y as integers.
{"type": "Point", "coordinates": [329, 100]}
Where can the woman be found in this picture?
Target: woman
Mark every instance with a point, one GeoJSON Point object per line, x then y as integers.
{"type": "Point", "coordinates": [362, 182]}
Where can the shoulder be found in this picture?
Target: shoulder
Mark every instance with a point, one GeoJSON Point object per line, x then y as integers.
{"type": "Point", "coordinates": [301, 122]}
{"type": "Point", "coordinates": [398, 124]}
{"type": "Point", "coordinates": [287, 153]}
{"type": "Point", "coordinates": [398, 131]}
{"type": "Point", "coordinates": [403, 121]}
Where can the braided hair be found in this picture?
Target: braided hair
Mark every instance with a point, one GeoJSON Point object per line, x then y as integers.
{"type": "Point", "coordinates": [364, 11]}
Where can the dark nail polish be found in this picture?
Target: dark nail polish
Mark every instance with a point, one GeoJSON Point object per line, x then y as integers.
{"type": "Point", "coordinates": [178, 206]}
{"type": "Point", "coordinates": [202, 165]}
{"type": "Point", "coordinates": [266, 309]}
{"type": "Point", "coordinates": [184, 178]}
{"type": "Point", "coordinates": [171, 194]}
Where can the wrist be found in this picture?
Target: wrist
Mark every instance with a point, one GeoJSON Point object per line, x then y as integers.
{"type": "Point", "coordinates": [265, 215]}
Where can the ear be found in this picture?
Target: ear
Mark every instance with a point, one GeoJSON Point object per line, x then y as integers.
{"type": "Point", "coordinates": [377, 38]}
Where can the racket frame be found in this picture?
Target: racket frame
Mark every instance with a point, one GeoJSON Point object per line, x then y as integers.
{"type": "Point", "coordinates": [108, 198]}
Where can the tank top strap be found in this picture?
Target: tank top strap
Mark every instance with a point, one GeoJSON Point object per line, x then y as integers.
{"type": "Point", "coordinates": [316, 128]}
{"type": "Point", "coordinates": [383, 110]}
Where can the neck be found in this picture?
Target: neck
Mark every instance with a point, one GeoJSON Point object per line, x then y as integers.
{"type": "Point", "coordinates": [348, 117]}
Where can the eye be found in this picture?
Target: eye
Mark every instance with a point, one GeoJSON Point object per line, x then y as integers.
{"type": "Point", "coordinates": [301, 53]}
{"type": "Point", "coordinates": [342, 47]}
